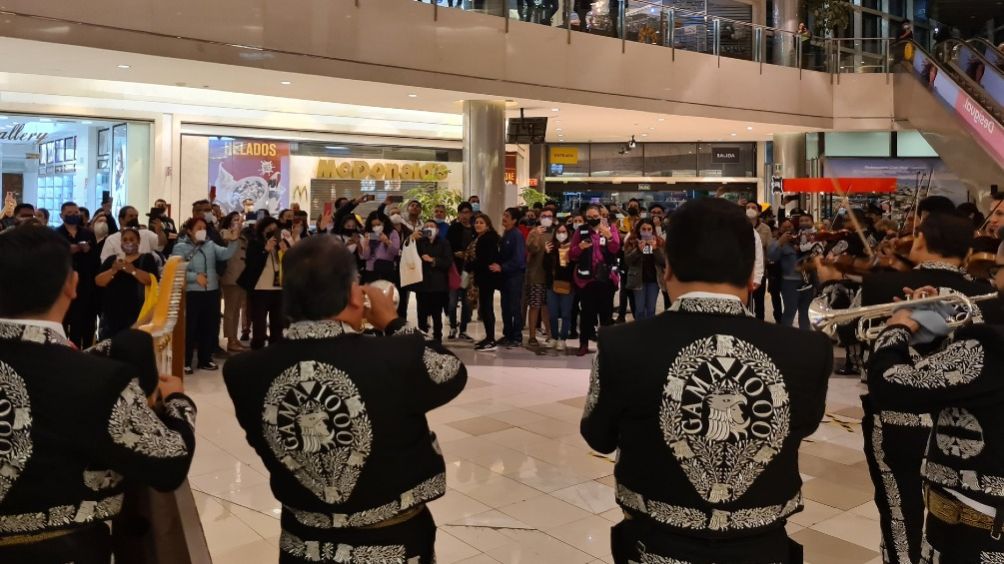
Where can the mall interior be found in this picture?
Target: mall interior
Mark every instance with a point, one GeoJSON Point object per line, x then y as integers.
{"type": "Point", "coordinates": [814, 106]}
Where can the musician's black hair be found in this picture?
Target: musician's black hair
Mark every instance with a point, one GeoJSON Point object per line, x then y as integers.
{"type": "Point", "coordinates": [948, 234]}
{"type": "Point", "coordinates": [318, 273]}
{"type": "Point", "coordinates": [710, 240]}
{"type": "Point", "coordinates": [935, 204]}
{"type": "Point", "coordinates": [37, 261]}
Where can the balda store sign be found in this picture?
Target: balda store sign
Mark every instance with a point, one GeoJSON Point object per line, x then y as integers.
{"type": "Point", "coordinates": [367, 170]}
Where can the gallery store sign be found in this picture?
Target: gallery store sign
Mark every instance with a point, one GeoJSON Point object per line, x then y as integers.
{"type": "Point", "coordinates": [17, 134]}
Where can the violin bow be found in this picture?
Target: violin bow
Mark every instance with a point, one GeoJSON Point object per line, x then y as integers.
{"type": "Point", "coordinates": [854, 218]}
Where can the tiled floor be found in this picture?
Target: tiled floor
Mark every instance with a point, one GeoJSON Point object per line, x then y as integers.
{"type": "Point", "coordinates": [523, 486]}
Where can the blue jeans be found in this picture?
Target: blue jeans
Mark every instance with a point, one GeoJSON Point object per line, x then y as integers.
{"type": "Point", "coordinates": [796, 300]}
{"type": "Point", "coordinates": [512, 307]}
{"type": "Point", "coordinates": [644, 300]}
{"type": "Point", "coordinates": [559, 306]}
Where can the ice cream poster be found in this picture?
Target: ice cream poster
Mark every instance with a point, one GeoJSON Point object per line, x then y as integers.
{"type": "Point", "coordinates": [249, 169]}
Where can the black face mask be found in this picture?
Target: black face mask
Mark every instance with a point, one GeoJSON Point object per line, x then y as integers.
{"type": "Point", "coordinates": [633, 211]}
{"type": "Point", "coordinates": [133, 223]}
{"type": "Point", "coordinates": [270, 233]}
{"type": "Point", "coordinates": [593, 221]}
{"type": "Point", "coordinates": [73, 220]}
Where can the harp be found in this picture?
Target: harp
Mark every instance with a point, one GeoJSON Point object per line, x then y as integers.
{"type": "Point", "coordinates": [156, 527]}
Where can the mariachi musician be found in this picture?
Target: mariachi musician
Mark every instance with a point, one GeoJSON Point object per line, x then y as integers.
{"type": "Point", "coordinates": [708, 433]}
{"type": "Point", "coordinates": [963, 472]}
{"type": "Point", "coordinates": [895, 438]}
{"type": "Point", "coordinates": [73, 426]}
{"type": "Point", "coordinates": [338, 417]}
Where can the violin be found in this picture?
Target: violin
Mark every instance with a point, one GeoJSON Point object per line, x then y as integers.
{"type": "Point", "coordinates": [982, 257]}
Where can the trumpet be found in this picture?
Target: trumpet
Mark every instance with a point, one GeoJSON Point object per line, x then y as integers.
{"type": "Point", "coordinates": [823, 318]}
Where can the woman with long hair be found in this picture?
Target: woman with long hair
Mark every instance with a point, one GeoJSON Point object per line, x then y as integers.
{"type": "Point", "coordinates": [262, 279]}
{"type": "Point", "coordinates": [483, 262]}
{"type": "Point", "coordinates": [234, 297]}
{"type": "Point", "coordinates": [378, 249]}
{"type": "Point", "coordinates": [646, 263]}
{"type": "Point", "coordinates": [560, 287]}
{"type": "Point", "coordinates": [434, 288]}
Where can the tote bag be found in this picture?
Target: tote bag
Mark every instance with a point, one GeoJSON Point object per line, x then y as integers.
{"type": "Point", "coordinates": [411, 266]}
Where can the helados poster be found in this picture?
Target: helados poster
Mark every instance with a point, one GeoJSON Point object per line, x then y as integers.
{"type": "Point", "coordinates": [249, 169]}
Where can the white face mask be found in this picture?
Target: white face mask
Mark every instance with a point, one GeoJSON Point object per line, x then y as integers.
{"type": "Point", "coordinates": [200, 236]}
{"type": "Point", "coordinates": [577, 225]}
{"type": "Point", "coordinates": [378, 229]}
{"type": "Point", "coordinates": [561, 237]}
{"type": "Point", "coordinates": [209, 217]}
{"type": "Point", "coordinates": [752, 213]}
{"type": "Point", "coordinates": [546, 221]}
{"type": "Point", "coordinates": [431, 233]}
{"type": "Point", "coordinates": [396, 219]}
{"type": "Point", "coordinates": [101, 230]}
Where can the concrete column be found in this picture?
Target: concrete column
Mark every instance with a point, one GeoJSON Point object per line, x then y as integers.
{"type": "Point", "coordinates": [484, 155]}
{"type": "Point", "coordinates": [789, 152]}
{"type": "Point", "coordinates": [785, 15]}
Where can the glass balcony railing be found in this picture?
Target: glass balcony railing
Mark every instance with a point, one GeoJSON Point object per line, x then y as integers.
{"type": "Point", "coordinates": [673, 24]}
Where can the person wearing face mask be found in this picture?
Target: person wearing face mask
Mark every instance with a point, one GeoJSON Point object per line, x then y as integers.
{"type": "Point", "coordinates": [300, 225]}
{"type": "Point", "coordinates": [594, 248]}
{"type": "Point", "coordinates": [475, 203]}
{"type": "Point", "coordinates": [405, 233]}
{"type": "Point", "coordinates": [262, 280]}
{"type": "Point", "coordinates": [538, 244]}
{"type": "Point", "coordinates": [234, 297]}
{"type": "Point", "coordinates": [124, 280]}
{"type": "Point", "coordinates": [766, 237]}
{"type": "Point", "coordinates": [434, 288]}
{"type": "Point", "coordinates": [204, 209]}
{"type": "Point", "coordinates": [645, 260]}
{"type": "Point", "coordinates": [575, 222]}
{"type": "Point", "coordinates": [81, 318]}
{"type": "Point", "coordinates": [791, 249]}
{"type": "Point", "coordinates": [460, 236]}
{"type": "Point", "coordinates": [442, 222]}
{"type": "Point", "coordinates": [379, 248]}
{"type": "Point", "coordinates": [559, 269]}
{"type": "Point", "coordinates": [202, 292]}
{"type": "Point", "coordinates": [512, 266]}
{"type": "Point", "coordinates": [149, 242]}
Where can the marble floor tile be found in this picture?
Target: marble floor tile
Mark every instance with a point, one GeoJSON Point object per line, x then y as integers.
{"type": "Point", "coordinates": [479, 425]}
{"type": "Point", "coordinates": [544, 512]}
{"type": "Point", "coordinates": [821, 548]}
{"type": "Point", "coordinates": [592, 496]}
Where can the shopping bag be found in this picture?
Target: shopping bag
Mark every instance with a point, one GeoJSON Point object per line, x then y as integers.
{"type": "Point", "coordinates": [411, 266]}
{"type": "Point", "coordinates": [454, 280]}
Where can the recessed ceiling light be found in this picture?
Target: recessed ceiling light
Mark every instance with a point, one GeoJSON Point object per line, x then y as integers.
{"type": "Point", "coordinates": [285, 82]}
{"type": "Point", "coordinates": [651, 129]}
{"type": "Point", "coordinates": [554, 109]}
{"type": "Point", "coordinates": [732, 134]}
{"type": "Point", "coordinates": [124, 66]}
{"type": "Point", "coordinates": [413, 95]}
{"type": "Point", "coordinates": [749, 128]}
{"type": "Point", "coordinates": [644, 134]}
{"type": "Point", "coordinates": [662, 119]}
{"type": "Point", "coordinates": [559, 129]}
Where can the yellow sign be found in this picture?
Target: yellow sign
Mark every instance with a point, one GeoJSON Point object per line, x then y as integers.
{"type": "Point", "coordinates": [362, 170]}
{"type": "Point", "coordinates": [565, 155]}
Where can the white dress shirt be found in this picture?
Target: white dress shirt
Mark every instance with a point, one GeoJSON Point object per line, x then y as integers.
{"type": "Point", "coordinates": [148, 243]}
{"type": "Point", "coordinates": [758, 262]}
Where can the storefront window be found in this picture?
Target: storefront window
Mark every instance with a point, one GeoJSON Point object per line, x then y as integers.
{"type": "Point", "coordinates": [47, 161]}
{"type": "Point", "coordinates": [670, 159]}
{"type": "Point", "coordinates": [614, 159]}
{"type": "Point", "coordinates": [568, 160]}
{"type": "Point", "coordinates": [726, 159]}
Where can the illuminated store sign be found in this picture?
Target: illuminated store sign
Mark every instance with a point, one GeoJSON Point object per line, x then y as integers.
{"type": "Point", "coordinates": [366, 170]}
{"type": "Point", "coordinates": [17, 134]}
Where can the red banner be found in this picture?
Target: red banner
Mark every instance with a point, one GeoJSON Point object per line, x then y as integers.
{"type": "Point", "coordinates": [838, 185]}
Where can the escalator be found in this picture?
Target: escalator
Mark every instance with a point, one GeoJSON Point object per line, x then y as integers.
{"type": "Point", "coordinates": [944, 98]}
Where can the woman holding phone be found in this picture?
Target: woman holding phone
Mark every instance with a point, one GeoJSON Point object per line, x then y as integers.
{"type": "Point", "coordinates": [645, 264]}
{"type": "Point", "coordinates": [378, 249]}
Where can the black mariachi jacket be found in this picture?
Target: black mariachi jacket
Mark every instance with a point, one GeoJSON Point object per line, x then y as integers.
{"type": "Point", "coordinates": [338, 418]}
{"type": "Point", "coordinates": [709, 424]}
{"type": "Point", "coordinates": [74, 425]}
{"type": "Point", "coordinates": [961, 386]}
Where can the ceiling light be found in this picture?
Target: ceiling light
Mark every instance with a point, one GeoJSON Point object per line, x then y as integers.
{"type": "Point", "coordinates": [632, 143]}
{"type": "Point", "coordinates": [651, 129]}
{"type": "Point", "coordinates": [732, 134]}
{"type": "Point", "coordinates": [749, 128]}
{"type": "Point", "coordinates": [285, 82]}
{"type": "Point", "coordinates": [87, 122]}
{"type": "Point", "coordinates": [45, 119]}
{"type": "Point", "coordinates": [559, 129]}
{"type": "Point", "coordinates": [413, 95]}
{"type": "Point", "coordinates": [124, 66]}
{"type": "Point", "coordinates": [644, 134]}
{"type": "Point", "coordinates": [554, 109]}
{"type": "Point", "coordinates": [662, 119]}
